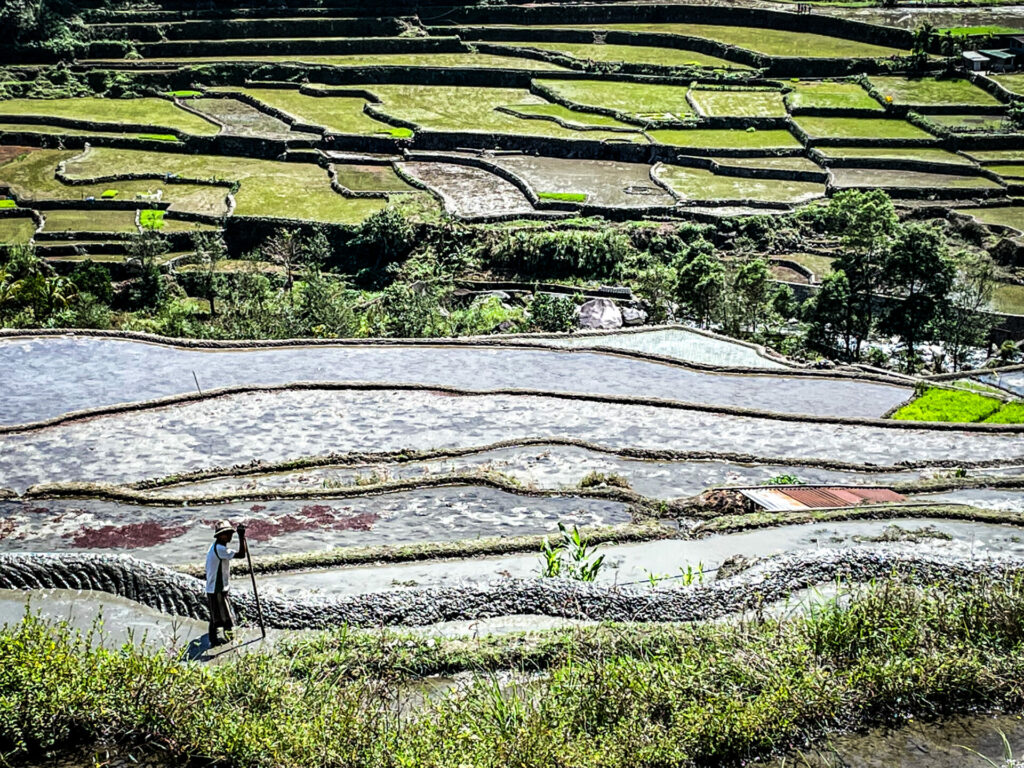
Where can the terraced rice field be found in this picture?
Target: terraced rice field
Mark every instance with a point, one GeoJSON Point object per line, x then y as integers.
{"type": "Point", "coordinates": [927, 92]}
{"type": "Point", "coordinates": [158, 113]}
{"type": "Point", "coordinates": [698, 184]}
{"type": "Point", "coordinates": [771, 42]}
{"type": "Point", "coordinates": [633, 54]}
{"type": "Point", "coordinates": [831, 95]}
{"type": "Point", "coordinates": [860, 128]}
{"type": "Point", "coordinates": [739, 103]}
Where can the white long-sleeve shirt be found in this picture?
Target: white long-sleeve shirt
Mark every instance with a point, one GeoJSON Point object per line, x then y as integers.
{"type": "Point", "coordinates": [218, 568]}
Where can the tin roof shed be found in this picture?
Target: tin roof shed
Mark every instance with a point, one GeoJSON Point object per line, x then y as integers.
{"type": "Point", "coordinates": [775, 498]}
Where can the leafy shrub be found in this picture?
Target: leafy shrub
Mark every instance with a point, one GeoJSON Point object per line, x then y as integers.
{"type": "Point", "coordinates": [561, 253]}
{"type": "Point", "coordinates": [784, 480]}
{"type": "Point", "coordinates": [150, 219]}
{"type": "Point", "coordinates": [552, 314]}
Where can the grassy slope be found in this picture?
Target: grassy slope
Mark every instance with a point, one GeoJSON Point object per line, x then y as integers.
{"type": "Point", "coordinates": [572, 116]}
{"type": "Point", "coordinates": [158, 113]}
{"type": "Point", "coordinates": [16, 230]}
{"type": "Point", "coordinates": [438, 60]}
{"type": "Point", "coordinates": [90, 221]}
{"type": "Point", "coordinates": [619, 695]}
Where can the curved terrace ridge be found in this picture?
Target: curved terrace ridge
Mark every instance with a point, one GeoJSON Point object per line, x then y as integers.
{"type": "Point", "coordinates": [174, 593]}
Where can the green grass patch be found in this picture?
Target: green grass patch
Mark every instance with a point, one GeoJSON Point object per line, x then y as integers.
{"type": "Point", "coordinates": [158, 113]}
{"type": "Point", "coordinates": [949, 405]}
{"type": "Point", "coordinates": [772, 42]}
{"type": "Point", "coordinates": [337, 114]}
{"type": "Point", "coordinates": [266, 187]}
{"type": "Point", "coordinates": [1009, 298]}
{"type": "Point", "coordinates": [109, 194]}
{"type": "Point", "coordinates": [970, 123]}
{"type": "Point", "coordinates": [89, 220]}
{"type": "Point", "coordinates": [932, 91]}
{"type": "Point", "coordinates": [568, 197]}
{"type": "Point", "coordinates": [859, 128]}
{"type": "Point", "coordinates": [740, 103]}
{"type": "Point", "coordinates": [703, 693]}
{"type": "Point", "coordinates": [7, 203]}
{"type": "Point", "coordinates": [401, 133]}
{"type": "Point", "coordinates": [831, 95]}
{"type": "Point", "coordinates": [668, 101]}
{"type": "Point", "coordinates": [928, 154]}
{"type": "Point", "coordinates": [170, 138]}
{"type": "Point", "coordinates": [819, 265]}
{"type": "Point", "coordinates": [184, 94]}
{"type": "Point", "coordinates": [151, 219]}
{"type": "Point", "coordinates": [475, 110]}
{"type": "Point", "coordinates": [795, 163]}
{"type": "Point", "coordinates": [733, 139]}
{"type": "Point", "coordinates": [436, 60]}
{"type": "Point", "coordinates": [1005, 216]}
{"type": "Point", "coordinates": [16, 231]}
{"type": "Point", "coordinates": [571, 116]}
{"type": "Point", "coordinates": [633, 54]}
{"type": "Point", "coordinates": [1010, 413]}
{"type": "Point", "coordinates": [996, 29]}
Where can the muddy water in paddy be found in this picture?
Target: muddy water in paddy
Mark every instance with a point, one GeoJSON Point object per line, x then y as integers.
{"type": "Point", "coordinates": [553, 467]}
{"type": "Point", "coordinates": [182, 534]}
{"type": "Point", "coordinates": [632, 563]}
{"type": "Point", "coordinates": [943, 744]}
{"type": "Point", "coordinates": [233, 430]}
{"type": "Point", "coordinates": [45, 377]}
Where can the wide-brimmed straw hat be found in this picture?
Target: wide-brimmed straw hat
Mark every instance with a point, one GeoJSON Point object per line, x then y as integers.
{"type": "Point", "coordinates": [223, 527]}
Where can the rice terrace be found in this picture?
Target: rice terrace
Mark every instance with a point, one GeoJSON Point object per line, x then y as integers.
{"type": "Point", "coordinates": [559, 384]}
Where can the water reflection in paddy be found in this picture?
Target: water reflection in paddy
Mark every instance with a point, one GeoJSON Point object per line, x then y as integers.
{"type": "Point", "coordinates": [173, 535]}
{"type": "Point", "coordinates": [636, 563]}
{"type": "Point", "coordinates": [274, 426]}
{"type": "Point", "coordinates": [45, 377]}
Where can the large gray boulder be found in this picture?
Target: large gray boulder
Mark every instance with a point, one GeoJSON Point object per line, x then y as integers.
{"type": "Point", "coordinates": [633, 316]}
{"type": "Point", "coordinates": [600, 314]}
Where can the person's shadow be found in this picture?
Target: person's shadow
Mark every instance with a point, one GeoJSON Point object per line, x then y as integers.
{"type": "Point", "coordinates": [199, 649]}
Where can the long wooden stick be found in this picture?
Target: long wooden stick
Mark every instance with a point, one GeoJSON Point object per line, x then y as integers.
{"type": "Point", "coordinates": [255, 594]}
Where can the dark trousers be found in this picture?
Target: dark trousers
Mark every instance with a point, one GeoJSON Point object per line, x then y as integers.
{"type": "Point", "coordinates": [220, 613]}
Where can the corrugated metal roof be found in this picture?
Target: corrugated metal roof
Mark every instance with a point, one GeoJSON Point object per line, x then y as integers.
{"type": "Point", "coordinates": [778, 499]}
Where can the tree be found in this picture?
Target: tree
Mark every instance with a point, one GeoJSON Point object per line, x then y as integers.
{"type": "Point", "coordinates": [656, 285]}
{"type": "Point", "coordinates": [147, 288]}
{"type": "Point", "coordinates": [917, 270]}
{"type": "Point", "coordinates": [93, 279]}
{"type": "Point", "coordinates": [384, 237]}
{"type": "Point", "coordinates": [962, 321]}
{"type": "Point", "coordinates": [324, 310]}
{"type": "Point", "coordinates": [749, 293]}
{"type": "Point", "coordinates": [866, 222]}
{"type": "Point", "coordinates": [552, 314]}
{"type": "Point", "coordinates": [209, 250]}
{"type": "Point", "coordinates": [700, 286]}
{"type": "Point", "coordinates": [826, 315]}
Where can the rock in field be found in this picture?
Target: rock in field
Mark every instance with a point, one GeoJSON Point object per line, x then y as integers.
{"type": "Point", "coordinates": [600, 314]}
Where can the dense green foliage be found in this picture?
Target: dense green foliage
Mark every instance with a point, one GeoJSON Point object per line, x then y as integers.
{"type": "Point", "coordinates": [636, 695]}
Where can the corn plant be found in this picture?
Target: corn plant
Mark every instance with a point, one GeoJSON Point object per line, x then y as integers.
{"type": "Point", "coordinates": [571, 556]}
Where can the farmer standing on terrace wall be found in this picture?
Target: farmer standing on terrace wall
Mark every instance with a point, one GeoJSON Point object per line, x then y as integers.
{"type": "Point", "coordinates": [218, 571]}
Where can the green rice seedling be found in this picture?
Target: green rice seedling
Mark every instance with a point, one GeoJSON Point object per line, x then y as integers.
{"type": "Point", "coordinates": [151, 219]}
{"type": "Point", "coordinates": [401, 133]}
{"type": "Point", "coordinates": [184, 94]}
{"type": "Point", "coordinates": [949, 405]}
{"type": "Point", "coordinates": [109, 194]}
{"type": "Point", "coordinates": [8, 204]}
{"type": "Point", "coordinates": [158, 137]}
{"type": "Point", "coordinates": [567, 197]}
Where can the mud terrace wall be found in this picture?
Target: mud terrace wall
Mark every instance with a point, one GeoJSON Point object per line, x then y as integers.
{"type": "Point", "coordinates": [176, 594]}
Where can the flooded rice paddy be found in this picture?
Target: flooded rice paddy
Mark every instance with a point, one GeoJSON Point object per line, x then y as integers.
{"type": "Point", "coordinates": [171, 535]}
{"type": "Point", "coordinates": [665, 561]}
{"type": "Point", "coordinates": [549, 467]}
{"type": "Point", "coordinates": [45, 377]}
{"type": "Point", "coordinates": [681, 344]}
{"type": "Point", "coordinates": [233, 429]}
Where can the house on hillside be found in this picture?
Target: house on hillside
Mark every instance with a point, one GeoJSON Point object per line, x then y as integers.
{"type": "Point", "coordinates": [974, 61]}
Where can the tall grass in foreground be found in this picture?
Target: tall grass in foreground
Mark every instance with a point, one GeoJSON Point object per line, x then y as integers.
{"type": "Point", "coordinates": [615, 695]}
